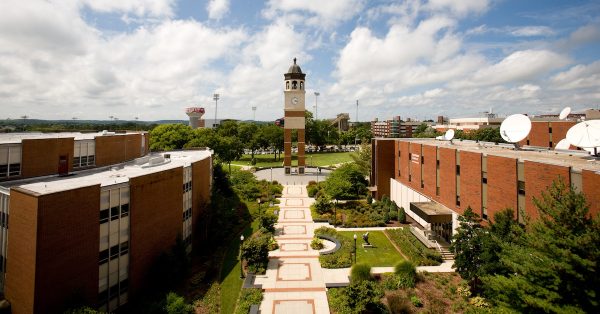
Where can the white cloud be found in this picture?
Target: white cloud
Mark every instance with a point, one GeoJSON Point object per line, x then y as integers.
{"type": "Point", "coordinates": [316, 12]}
{"type": "Point", "coordinates": [217, 8]}
{"type": "Point", "coordinates": [458, 7]}
{"type": "Point", "coordinates": [140, 8]}
{"type": "Point", "coordinates": [578, 77]}
{"type": "Point", "coordinates": [528, 31]}
{"type": "Point", "coordinates": [518, 66]}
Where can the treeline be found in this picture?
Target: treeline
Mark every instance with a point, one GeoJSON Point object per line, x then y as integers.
{"type": "Point", "coordinates": [491, 134]}
{"type": "Point", "coordinates": [74, 126]}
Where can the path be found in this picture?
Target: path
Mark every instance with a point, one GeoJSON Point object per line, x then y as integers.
{"type": "Point", "coordinates": [294, 281]}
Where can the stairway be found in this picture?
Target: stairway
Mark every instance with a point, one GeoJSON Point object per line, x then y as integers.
{"type": "Point", "coordinates": [446, 254]}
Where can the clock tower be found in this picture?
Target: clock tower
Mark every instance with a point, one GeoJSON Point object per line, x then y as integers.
{"type": "Point", "coordinates": [294, 116]}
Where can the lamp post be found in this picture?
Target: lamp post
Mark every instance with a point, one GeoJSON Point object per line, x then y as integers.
{"type": "Point", "coordinates": [253, 113]}
{"type": "Point", "coordinates": [335, 213]}
{"type": "Point", "coordinates": [241, 260]}
{"type": "Point", "coordinates": [258, 201]}
{"type": "Point", "coordinates": [318, 171]}
{"type": "Point", "coordinates": [355, 248]}
{"type": "Point", "coordinates": [216, 99]}
{"type": "Point", "coordinates": [316, 105]}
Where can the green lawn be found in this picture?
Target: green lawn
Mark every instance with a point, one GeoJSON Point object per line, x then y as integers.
{"type": "Point", "coordinates": [231, 283]}
{"type": "Point", "coordinates": [318, 159]}
{"type": "Point", "coordinates": [382, 254]}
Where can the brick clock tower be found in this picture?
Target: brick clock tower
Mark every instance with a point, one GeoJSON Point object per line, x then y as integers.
{"type": "Point", "coordinates": [294, 116]}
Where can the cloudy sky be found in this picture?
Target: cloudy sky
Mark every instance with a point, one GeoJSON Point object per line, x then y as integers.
{"type": "Point", "coordinates": [92, 59]}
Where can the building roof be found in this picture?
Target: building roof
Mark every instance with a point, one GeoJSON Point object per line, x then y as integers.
{"type": "Point", "coordinates": [17, 138]}
{"type": "Point", "coordinates": [294, 68]}
{"type": "Point", "coordinates": [578, 160]}
{"type": "Point", "coordinates": [115, 174]}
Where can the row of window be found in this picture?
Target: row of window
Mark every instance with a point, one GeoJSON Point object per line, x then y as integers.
{"type": "Point", "coordinates": [113, 291]}
{"type": "Point", "coordinates": [187, 214]}
{"type": "Point", "coordinates": [114, 213]}
{"type": "Point", "coordinates": [113, 252]}
{"type": "Point", "coordinates": [10, 170]}
{"type": "Point", "coordinates": [84, 161]}
{"type": "Point", "coordinates": [187, 186]}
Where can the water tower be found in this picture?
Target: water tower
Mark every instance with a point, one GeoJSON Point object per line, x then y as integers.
{"type": "Point", "coordinates": [195, 114]}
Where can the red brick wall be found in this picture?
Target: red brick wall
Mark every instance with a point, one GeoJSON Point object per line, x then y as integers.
{"type": "Point", "coordinates": [156, 218]}
{"type": "Point", "coordinates": [415, 166]}
{"type": "Point", "coordinates": [40, 156]}
{"type": "Point", "coordinates": [538, 177]}
{"type": "Point", "coordinates": [384, 164]}
{"type": "Point", "coordinates": [404, 162]}
{"type": "Point", "coordinates": [114, 149]}
{"type": "Point", "coordinates": [540, 134]}
{"type": "Point", "coordinates": [448, 177]}
{"type": "Point", "coordinates": [502, 184]}
{"type": "Point", "coordinates": [591, 187]}
{"type": "Point", "coordinates": [67, 248]}
{"type": "Point", "coordinates": [429, 170]}
{"type": "Point", "coordinates": [559, 130]}
{"type": "Point", "coordinates": [20, 266]}
{"type": "Point", "coordinates": [470, 181]}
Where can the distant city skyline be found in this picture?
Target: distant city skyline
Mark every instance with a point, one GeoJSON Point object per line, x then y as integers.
{"type": "Point", "coordinates": [153, 58]}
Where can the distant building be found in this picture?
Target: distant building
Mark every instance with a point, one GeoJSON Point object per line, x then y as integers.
{"type": "Point", "coordinates": [395, 127]}
{"type": "Point", "coordinates": [90, 214]}
{"type": "Point", "coordinates": [469, 124]}
{"type": "Point", "coordinates": [341, 122]}
{"type": "Point", "coordinates": [195, 114]}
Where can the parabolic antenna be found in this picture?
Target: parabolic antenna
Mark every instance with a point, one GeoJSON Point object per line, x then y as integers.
{"type": "Point", "coordinates": [564, 113]}
{"type": "Point", "coordinates": [585, 134]}
{"type": "Point", "coordinates": [441, 137]}
{"type": "Point", "coordinates": [449, 135]}
{"type": "Point", "coordinates": [515, 128]}
{"type": "Point", "coordinates": [562, 144]}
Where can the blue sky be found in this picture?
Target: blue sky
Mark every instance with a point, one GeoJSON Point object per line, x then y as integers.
{"type": "Point", "coordinates": [150, 59]}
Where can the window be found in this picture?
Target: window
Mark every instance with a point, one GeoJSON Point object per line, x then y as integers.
{"type": "Point", "coordinates": [114, 213]}
{"type": "Point", "coordinates": [484, 177]}
{"type": "Point", "coordinates": [457, 170]}
{"type": "Point", "coordinates": [437, 164]}
{"type": "Point", "coordinates": [550, 130]}
{"type": "Point", "coordinates": [422, 160]}
{"type": "Point", "coordinates": [124, 248]}
{"type": "Point", "coordinates": [457, 200]}
{"type": "Point", "coordinates": [521, 187]}
{"type": "Point", "coordinates": [550, 144]}
{"type": "Point", "coordinates": [103, 257]}
{"type": "Point", "coordinates": [124, 210]}
{"type": "Point", "coordinates": [437, 191]}
{"type": "Point", "coordinates": [103, 216]}
{"type": "Point", "coordinates": [114, 251]}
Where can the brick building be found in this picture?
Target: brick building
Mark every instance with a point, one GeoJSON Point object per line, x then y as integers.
{"type": "Point", "coordinates": [435, 181]}
{"type": "Point", "coordinates": [94, 233]}
{"type": "Point", "coordinates": [395, 127]}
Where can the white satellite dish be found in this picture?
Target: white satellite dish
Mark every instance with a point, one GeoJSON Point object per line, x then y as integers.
{"type": "Point", "coordinates": [515, 128]}
{"type": "Point", "coordinates": [441, 137]}
{"type": "Point", "coordinates": [563, 144]}
{"type": "Point", "coordinates": [564, 113]}
{"type": "Point", "coordinates": [585, 134]}
{"type": "Point", "coordinates": [449, 135]}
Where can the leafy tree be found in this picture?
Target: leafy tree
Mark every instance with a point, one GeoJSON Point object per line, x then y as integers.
{"type": "Point", "coordinates": [228, 149]}
{"type": "Point", "coordinates": [346, 182]}
{"type": "Point", "coordinates": [467, 245]}
{"type": "Point", "coordinates": [554, 266]}
{"type": "Point", "coordinates": [255, 251]}
{"type": "Point", "coordinates": [421, 128]}
{"type": "Point", "coordinates": [363, 158]}
{"type": "Point", "coordinates": [169, 137]}
{"type": "Point", "coordinates": [274, 138]}
{"type": "Point", "coordinates": [228, 128]}
{"type": "Point", "coordinates": [175, 304]}
{"type": "Point", "coordinates": [267, 222]}
{"type": "Point", "coordinates": [323, 205]}
{"type": "Point", "coordinates": [202, 137]}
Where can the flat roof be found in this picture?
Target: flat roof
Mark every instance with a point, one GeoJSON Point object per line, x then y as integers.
{"type": "Point", "coordinates": [576, 159]}
{"type": "Point", "coordinates": [433, 208]}
{"type": "Point", "coordinates": [106, 176]}
{"type": "Point", "coordinates": [16, 138]}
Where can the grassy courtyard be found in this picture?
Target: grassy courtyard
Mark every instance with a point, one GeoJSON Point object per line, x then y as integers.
{"type": "Point", "coordinates": [318, 159]}
{"type": "Point", "coordinates": [381, 254]}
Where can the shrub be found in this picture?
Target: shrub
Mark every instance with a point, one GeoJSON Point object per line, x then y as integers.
{"type": "Point", "coordinates": [267, 221]}
{"type": "Point", "coordinates": [416, 301]}
{"type": "Point", "coordinates": [393, 215]}
{"type": "Point", "coordinates": [340, 258]}
{"type": "Point", "coordinates": [401, 215]}
{"type": "Point", "coordinates": [256, 251]}
{"type": "Point", "coordinates": [398, 303]}
{"type": "Point", "coordinates": [405, 268]}
{"type": "Point", "coordinates": [323, 205]}
{"type": "Point", "coordinates": [316, 244]}
{"type": "Point", "coordinates": [389, 282]}
{"type": "Point", "coordinates": [248, 297]}
{"type": "Point", "coordinates": [312, 190]}
{"type": "Point", "coordinates": [369, 198]}
{"type": "Point", "coordinates": [360, 272]}
{"type": "Point", "coordinates": [210, 302]}
{"type": "Point", "coordinates": [412, 248]}
{"type": "Point", "coordinates": [175, 304]}
{"type": "Point", "coordinates": [478, 302]}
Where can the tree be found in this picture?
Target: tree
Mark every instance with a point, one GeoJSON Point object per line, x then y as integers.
{"type": "Point", "coordinates": [252, 136]}
{"type": "Point", "coordinates": [274, 138]}
{"type": "Point", "coordinates": [175, 304]}
{"type": "Point", "coordinates": [228, 149]}
{"type": "Point", "coordinates": [346, 182]}
{"type": "Point", "coordinates": [363, 158]}
{"type": "Point", "coordinates": [202, 137]}
{"type": "Point", "coordinates": [169, 137]}
{"type": "Point", "coordinates": [467, 245]}
{"type": "Point", "coordinates": [554, 266]}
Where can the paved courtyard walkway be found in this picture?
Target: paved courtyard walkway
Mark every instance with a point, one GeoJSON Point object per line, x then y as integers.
{"type": "Point", "coordinates": [294, 281]}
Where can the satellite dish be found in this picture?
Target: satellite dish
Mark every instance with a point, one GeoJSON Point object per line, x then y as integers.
{"type": "Point", "coordinates": [585, 134]}
{"type": "Point", "coordinates": [564, 113]}
{"type": "Point", "coordinates": [441, 137]}
{"type": "Point", "coordinates": [563, 144]}
{"type": "Point", "coordinates": [515, 128]}
{"type": "Point", "coordinates": [449, 135]}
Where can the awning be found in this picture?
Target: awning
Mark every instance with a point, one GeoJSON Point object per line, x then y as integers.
{"type": "Point", "coordinates": [432, 212]}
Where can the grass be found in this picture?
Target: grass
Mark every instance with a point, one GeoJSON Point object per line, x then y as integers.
{"type": "Point", "coordinates": [231, 283]}
{"type": "Point", "coordinates": [318, 159]}
{"type": "Point", "coordinates": [382, 254]}
{"type": "Point", "coordinates": [413, 249]}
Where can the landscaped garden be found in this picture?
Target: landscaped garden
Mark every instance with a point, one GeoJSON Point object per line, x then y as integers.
{"type": "Point", "coordinates": [383, 253]}
{"type": "Point", "coordinates": [412, 248]}
{"type": "Point", "coordinates": [312, 159]}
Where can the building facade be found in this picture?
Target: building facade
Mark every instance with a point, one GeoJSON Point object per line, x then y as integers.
{"type": "Point", "coordinates": [485, 177]}
{"type": "Point", "coordinates": [92, 234]}
{"type": "Point", "coordinates": [294, 110]}
{"type": "Point", "coordinates": [395, 127]}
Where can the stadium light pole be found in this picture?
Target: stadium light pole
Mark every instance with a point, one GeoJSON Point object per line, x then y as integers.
{"type": "Point", "coordinates": [317, 105]}
{"type": "Point", "coordinates": [216, 99]}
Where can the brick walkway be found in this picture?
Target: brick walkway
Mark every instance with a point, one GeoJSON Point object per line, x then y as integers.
{"type": "Point", "coordinates": [294, 280]}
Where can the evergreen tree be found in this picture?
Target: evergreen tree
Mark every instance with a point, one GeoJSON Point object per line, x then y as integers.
{"type": "Point", "coordinates": [554, 267]}
{"type": "Point", "coordinates": [468, 245]}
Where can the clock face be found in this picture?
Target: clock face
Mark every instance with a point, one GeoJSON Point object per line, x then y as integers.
{"type": "Point", "coordinates": [295, 100]}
